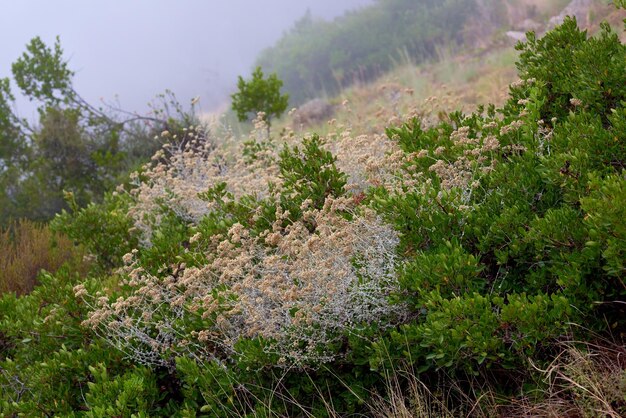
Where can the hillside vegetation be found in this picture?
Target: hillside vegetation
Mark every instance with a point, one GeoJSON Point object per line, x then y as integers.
{"type": "Point", "coordinates": [317, 57]}
{"type": "Point", "coordinates": [414, 260]}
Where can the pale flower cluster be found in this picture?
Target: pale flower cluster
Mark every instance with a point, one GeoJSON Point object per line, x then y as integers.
{"type": "Point", "coordinates": [464, 171]}
{"type": "Point", "coordinates": [368, 160]}
{"type": "Point", "coordinates": [300, 287]}
{"type": "Point", "coordinates": [184, 169]}
{"type": "Point", "coordinates": [181, 172]}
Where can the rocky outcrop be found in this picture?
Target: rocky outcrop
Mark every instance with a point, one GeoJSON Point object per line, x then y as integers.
{"type": "Point", "coordinates": [313, 112]}
{"type": "Point", "coordinates": [516, 35]}
{"type": "Point", "coordinates": [578, 9]}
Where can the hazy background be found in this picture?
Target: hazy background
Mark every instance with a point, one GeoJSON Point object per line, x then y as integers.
{"type": "Point", "coordinates": [136, 49]}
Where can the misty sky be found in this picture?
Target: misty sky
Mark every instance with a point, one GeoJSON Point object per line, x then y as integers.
{"type": "Point", "coordinates": [138, 48]}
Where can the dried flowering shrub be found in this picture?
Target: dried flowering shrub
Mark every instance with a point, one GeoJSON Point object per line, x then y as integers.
{"type": "Point", "coordinates": [296, 288]}
{"type": "Point", "coordinates": [181, 173]}
{"type": "Point", "coordinates": [183, 178]}
{"type": "Point", "coordinates": [368, 160]}
{"type": "Point", "coordinates": [278, 250]}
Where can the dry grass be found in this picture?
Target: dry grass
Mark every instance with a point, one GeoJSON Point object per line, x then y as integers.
{"type": "Point", "coordinates": [586, 380]}
{"type": "Point", "coordinates": [456, 80]}
{"type": "Point", "coordinates": [408, 397]}
{"type": "Point", "coordinates": [454, 83]}
{"type": "Point", "coordinates": [26, 248]}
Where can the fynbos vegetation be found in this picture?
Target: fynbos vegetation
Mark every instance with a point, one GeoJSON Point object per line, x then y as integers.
{"type": "Point", "coordinates": [470, 264]}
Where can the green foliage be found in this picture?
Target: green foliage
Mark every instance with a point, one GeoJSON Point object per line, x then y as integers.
{"type": "Point", "coordinates": [309, 174]}
{"type": "Point", "coordinates": [103, 229]}
{"type": "Point", "coordinates": [449, 270]}
{"type": "Point", "coordinates": [45, 353]}
{"type": "Point", "coordinates": [229, 211]}
{"type": "Point", "coordinates": [569, 65]}
{"type": "Point", "coordinates": [51, 366]}
{"type": "Point", "coordinates": [532, 251]}
{"type": "Point", "coordinates": [470, 330]}
{"type": "Point", "coordinates": [604, 209]}
{"type": "Point", "coordinates": [168, 241]}
{"type": "Point", "coordinates": [42, 74]}
{"type": "Point", "coordinates": [133, 392]}
{"type": "Point", "coordinates": [259, 95]}
{"type": "Point", "coordinates": [11, 139]}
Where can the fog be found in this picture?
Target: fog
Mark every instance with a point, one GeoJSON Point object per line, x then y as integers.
{"type": "Point", "coordinates": [135, 49]}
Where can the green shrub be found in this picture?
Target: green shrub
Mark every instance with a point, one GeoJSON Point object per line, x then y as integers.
{"type": "Point", "coordinates": [449, 270]}
{"type": "Point", "coordinates": [572, 70]}
{"type": "Point", "coordinates": [604, 218]}
{"type": "Point", "coordinates": [46, 353]}
{"type": "Point", "coordinates": [105, 229]}
{"type": "Point", "coordinates": [309, 174]}
{"type": "Point", "coordinates": [507, 238]}
{"type": "Point", "coordinates": [50, 365]}
{"type": "Point", "coordinates": [260, 95]}
{"type": "Point", "coordinates": [134, 392]}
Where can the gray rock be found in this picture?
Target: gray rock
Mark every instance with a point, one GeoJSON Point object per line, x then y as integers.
{"type": "Point", "coordinates": [528, 25]}
{"type": "Point", "coordinates": [516, 35]}
{"type": "Point", "coordinates": [577, 8]}
{"type": "Point", "coordinates": [313, 112]}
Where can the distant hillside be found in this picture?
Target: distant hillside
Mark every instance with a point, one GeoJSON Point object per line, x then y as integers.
{"type": "Point", "coordinates": [317, 57]}
{"type": "Point", "coordinates": [456, 80]}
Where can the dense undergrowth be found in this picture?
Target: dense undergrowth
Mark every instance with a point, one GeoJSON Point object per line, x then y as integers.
{"type": "Point", "coordinates": [472, 265]}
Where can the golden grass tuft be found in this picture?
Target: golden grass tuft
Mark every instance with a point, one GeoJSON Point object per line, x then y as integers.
{"type": "Point", "coordinates": [26, 248]}
{"type": "Point", "coordinates": [408, 397]}
{"type": "Point", "coordinates": [585, 380]}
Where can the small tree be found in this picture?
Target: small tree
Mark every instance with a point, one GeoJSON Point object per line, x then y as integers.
{"type": "Point", "coordinates": [259, 95]}
{"type": "Point", "coordinates": [76, 146]}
